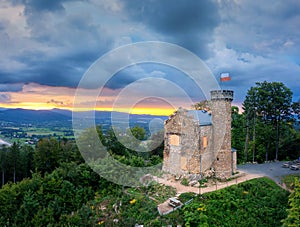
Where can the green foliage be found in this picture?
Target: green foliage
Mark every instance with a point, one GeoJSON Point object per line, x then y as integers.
{"type": "Point", "coordinates": [46, 155]}
{"type": "Point", "coordinates": [289, 180]}
{"type": "Point", "coordinates": [185, 181]}
{"type": "Point", "coordinates": [195, 215]}
{"type": "Point", "coordinates": [252, 203]}
{"type": "Point", "coordinates": [138, 132]}
{"type": "Point", "coordinates": [42, 201]}
{"type": "Point", "coordinates": [238, 133]}
{"type": "Point", "coordinates": [16, 162]}
{"type": "Point", "coordinates": [268, 110]}
{"type": "Point", "coordinates": [184, 197]}
{"type": "Point", "coordinates": [293, 218]}
{"type": "Point", "coordinates": [157, 144]}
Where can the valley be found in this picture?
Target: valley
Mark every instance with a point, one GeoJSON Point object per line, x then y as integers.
{"type": "Point", "coordinates": [28, 126]}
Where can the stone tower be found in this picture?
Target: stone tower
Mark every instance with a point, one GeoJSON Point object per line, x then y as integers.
{"type": "Point", "coordinates": [223, 163]}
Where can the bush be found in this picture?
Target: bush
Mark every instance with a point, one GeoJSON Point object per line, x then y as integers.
{"type": "Point", "coordinates": [184, 182]}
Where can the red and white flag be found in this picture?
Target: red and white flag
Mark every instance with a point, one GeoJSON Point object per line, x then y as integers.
{"type": "Point", "coordinates": [225, 77]}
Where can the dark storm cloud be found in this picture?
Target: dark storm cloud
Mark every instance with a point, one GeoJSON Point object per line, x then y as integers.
{"type": "Point", "coordinates": [186, 22]}
{"type": "Point", "coordinates": [65, 71]}
{"type": "Point", "coordinates": [62, 46]}
{"type": "Point", "coordinates": [41, 5]}
{"type": "Point", "coordinates": [54, 42]}
{"type": "Point", "coordinates": [66, 47]}
{"type": "Point", "coordinates": [174, 17]}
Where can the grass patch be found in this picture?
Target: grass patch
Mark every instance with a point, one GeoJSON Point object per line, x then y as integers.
{"type": "Point", "coordinates": [184, 197]}
{"type": "Point", "coordinates": [258, 202]}
{"type": "Point", "coordinates": [158, 192]}
{"type": "Point", "coordinates": [184, 182]}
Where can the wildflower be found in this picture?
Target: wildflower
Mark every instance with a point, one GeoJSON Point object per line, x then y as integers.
{"type": "Point", "coordinates": [132, 201]}
{"type": "Point", "coordinates": [100, 222]}
{"type": "Point", "coordinates": [202, 208]}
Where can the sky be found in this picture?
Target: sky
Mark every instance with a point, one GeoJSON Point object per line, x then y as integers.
{"type": "Point", "coordinates": [48, 47]}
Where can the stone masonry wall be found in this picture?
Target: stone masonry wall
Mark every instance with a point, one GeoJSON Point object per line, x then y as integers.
{"type": "Point", "coordinates": [184, 158]}
{"type": "Point", "coordinates": [184, 152]}
{"type": "Point", "coordinates": [221, 118]}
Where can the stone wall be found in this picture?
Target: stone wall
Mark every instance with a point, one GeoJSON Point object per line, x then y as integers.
{"type": "Point", "coordinates": [181, 158]}
{"type": "Point", "coordinates": [221, 120]}
{"type": "Point", "coordinates": [185, 151]}
{"type": "Point", "coordinates": [185, 157]}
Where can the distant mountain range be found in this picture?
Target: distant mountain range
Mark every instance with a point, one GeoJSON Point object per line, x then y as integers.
{"type": "Point", "coordinates": [27, 116]}
{"type": "Point", "coordinates": [24, 115]}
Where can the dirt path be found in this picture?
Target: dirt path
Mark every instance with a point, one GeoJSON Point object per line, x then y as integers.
{"type": "Point", "coordinates": [219, 185]}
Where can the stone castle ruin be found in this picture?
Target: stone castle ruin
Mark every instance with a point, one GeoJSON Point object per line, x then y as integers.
{"type": "Point", "coordinates": [199, 142]}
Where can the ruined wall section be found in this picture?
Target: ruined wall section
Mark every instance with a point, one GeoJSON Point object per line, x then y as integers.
{"type": "Point", "coordinates": [206, 159]}
{"type": "Point", "coordinates": [181, 143]}
{"type": "Point", "coordinates": [184, 151]}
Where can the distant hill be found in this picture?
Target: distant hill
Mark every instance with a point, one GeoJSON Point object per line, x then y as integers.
{"type": "Point", "coordinates": [24, 115]}
{"type": "Point", "coordinates": [28, 116]}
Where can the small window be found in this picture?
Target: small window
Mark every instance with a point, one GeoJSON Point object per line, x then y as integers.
{"type": "Point", "coordinates": [174, 140]}
{"type": "Point", "coordinates": [204, 141]}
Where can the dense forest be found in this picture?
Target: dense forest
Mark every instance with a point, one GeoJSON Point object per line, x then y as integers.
{"type": "Point", "coordinates": [268, 128]}
{"type": "Point", "coordinates": [50, 184]}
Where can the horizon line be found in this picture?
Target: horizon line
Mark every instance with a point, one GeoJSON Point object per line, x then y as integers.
{"type": "Point", "coordinates": [136, 111]}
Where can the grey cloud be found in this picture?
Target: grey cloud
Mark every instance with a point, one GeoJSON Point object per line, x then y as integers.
{"type": "Point", "coordinates": [168, 17]}
{"type": "Point", "coordinates": [262, 29]}
{"type": "Point", "coordinates": [186, 22]}
{"type": "Point", "coordinates": [4, 98]}
{"type": "Point", "coordinates": [42, 5]}
{"type": "Point", "coordinates": [62, 43]}
{"type": "Point", "coordinates": [2, 26]}
{"type": "Point", "coordinates": [56, 102]}
{"type": "Point", "coordinates": [62, 49]}
{"type": "Point", "coordinates": [146, 70]}
{"type": "Point", "coordinates": [11, 87]}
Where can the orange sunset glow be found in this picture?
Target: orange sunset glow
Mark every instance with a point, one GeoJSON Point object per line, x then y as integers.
{"type": "Point", "coordinates": [41, 97]}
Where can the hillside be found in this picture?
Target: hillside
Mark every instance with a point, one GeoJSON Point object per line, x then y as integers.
{"type": "Point", "coordinates": [25, 115]}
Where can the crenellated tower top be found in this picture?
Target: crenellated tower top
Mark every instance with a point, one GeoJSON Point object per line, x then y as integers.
{"type": "Point", "coordinates": [226, 95]}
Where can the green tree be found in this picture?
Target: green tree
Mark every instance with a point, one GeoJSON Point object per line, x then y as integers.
{"type": "Point", "coordinates": [250, 112]}
{"type": "Point", "coordinates": [270, 102]}
{"type": "Point", "coordinates": [157, 143]}
{"type": "Point", "coordinates": [68, 152]}
{"type": "Point", "coordinates": [238, 132]}
{"type": "Point", "coordinates": [138, 132]}
{"type": "Point", "coordinates": [26, 157]}
{"type": "Point", "coordinates": [46, 156]}
{"type": "Point", "coordinates": [293, 218]}
{"type": "Point", "coordinates": [14, 159]}
{"type": "Point", "coordinates": [112, 143]}
{"type": "Point", "coordinates": [3, 163]}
